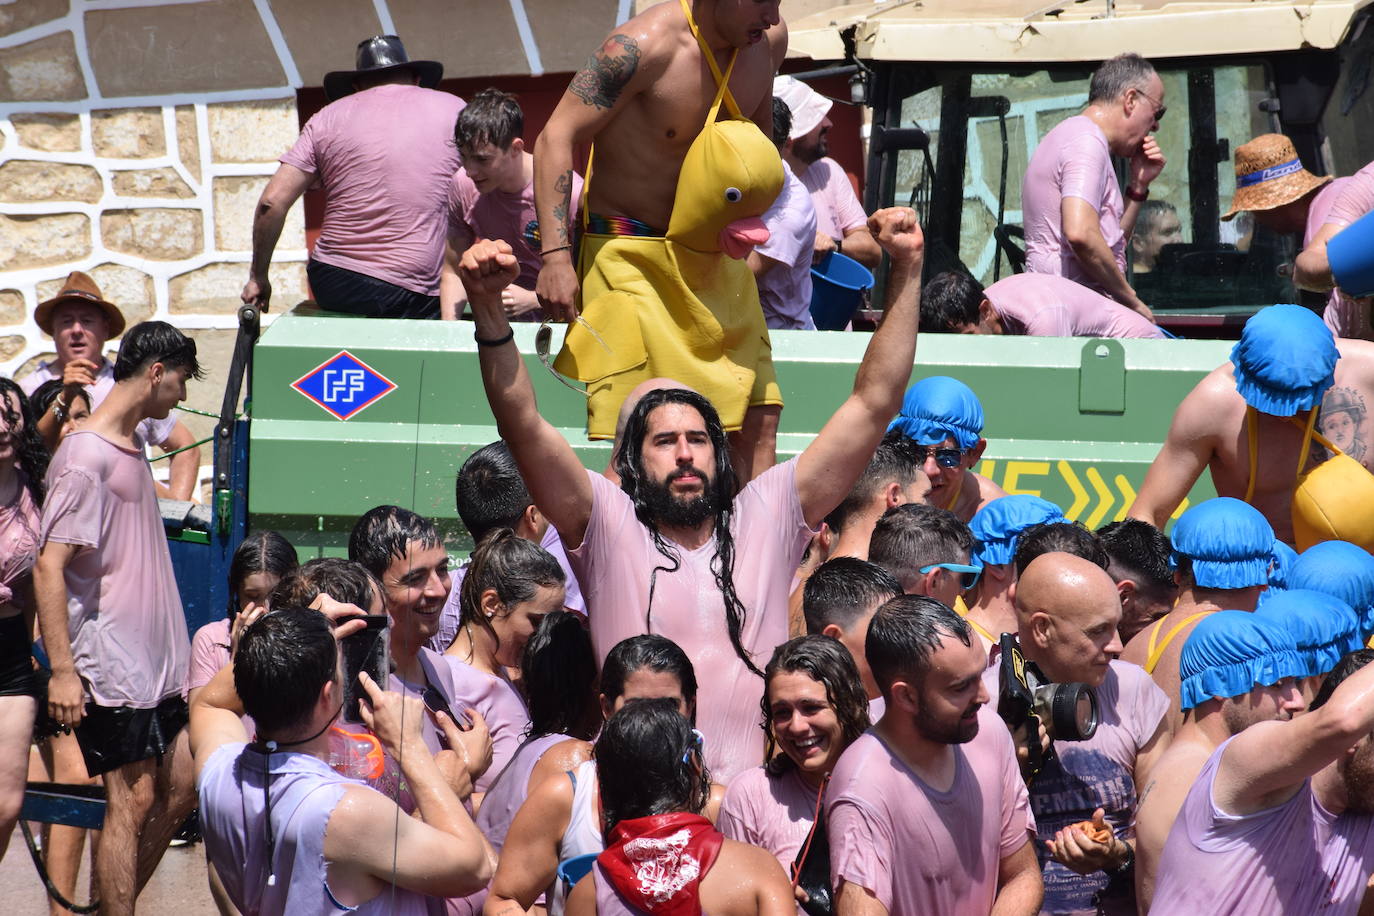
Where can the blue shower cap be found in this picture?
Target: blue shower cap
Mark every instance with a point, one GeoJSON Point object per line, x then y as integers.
{"type": "Point", "coordinates": [998, 524]}
{"type": "Point", "coordinates": [1343, 570]}
{"type": "Point", "coordinates": [937, 408]}
{"type": "Point", "coordinates": [1285, 360]}
{"type": "Point", "coordinates": [1230, 544]}
{"type": "Point", "coordinates": [1229, 653]}
{"type": "Point", "coordinates": [1324, 628]}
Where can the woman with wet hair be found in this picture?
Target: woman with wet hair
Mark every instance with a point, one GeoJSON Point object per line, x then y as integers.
{"type": "Point", "coordinates": [814, 707]}
{"type": "Point", "coordinates": [45, 402]}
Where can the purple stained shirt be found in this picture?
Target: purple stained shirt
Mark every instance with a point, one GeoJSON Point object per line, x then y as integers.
{"type": "Point", "coordinates": [1043, 305]}
{"type": "Point", "coordinates": [837, 206]}
{"type": "Point", "coordinates": [500, 215]}
{"type": "Point", "coordinates": [774, 814]}
{"type": "Point", "coordinates": [1343, 315]}
{"type": "Point", "coordinates": [1092, 774]}
{"type": "Point", "coordinates": [1071, 161]}
{"type": "Point", "coordinates": [616, 561]}
{"type": "Point", "coordinates": [385, 157]}
{"type": "Point", "coordinates": [785, 291]}
{"type": "Point", "coordinates": [921, 850]}
{"type": "Point", "coordinates": [1294, 858]}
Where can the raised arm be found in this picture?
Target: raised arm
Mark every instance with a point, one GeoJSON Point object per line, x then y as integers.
{"type": "Point", "coordinates": [556, 479]}
{"type": "Point", "coordinates": [1265, 764]}
{"type": "Point", "coordinates": [1182, 459]}
{"type": "Point", "coordinates": [283, 190]}
{"type": "Point", "coordinates": [839, 454]}
{"type": "Point", "coordinates": [612, 76]}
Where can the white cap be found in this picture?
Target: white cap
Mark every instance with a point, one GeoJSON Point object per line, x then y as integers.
{"type": "Point", "coordinates": [808, 106]}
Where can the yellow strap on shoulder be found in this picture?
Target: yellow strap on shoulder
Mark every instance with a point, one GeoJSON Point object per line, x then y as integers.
{"type": "Point", "coordinates": [722, 80]}
{"type": "Point", "coordinates": [1157, 652]}
{"type": "Point", "coordinates": [1252, 437]}
{"type": "Point", "coordinates": [981, 630]}
{"type": "Point", "coordinates": [1309, 432]}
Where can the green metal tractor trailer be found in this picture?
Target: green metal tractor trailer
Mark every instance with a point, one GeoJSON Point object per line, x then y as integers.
{"type": "Point", "coordinates": [349, 413]}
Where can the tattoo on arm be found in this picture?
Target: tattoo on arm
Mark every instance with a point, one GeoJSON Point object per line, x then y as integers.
{"type": "Point", "coordinates": [1342, 421]}
{"type": "Point", "coordinates": [1149, 786]}
{"type": "Point", "coordinates": [601, 81]}
{"type": "Point", "coordinates": [563, 186]}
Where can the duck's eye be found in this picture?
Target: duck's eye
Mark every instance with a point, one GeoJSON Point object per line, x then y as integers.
{"type": "Point", "coordinates": [734, 195]}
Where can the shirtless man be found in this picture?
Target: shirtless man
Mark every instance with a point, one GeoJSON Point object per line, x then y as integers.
{"type": "Point", "coordinates": [1222, 551]}
{"type": "Point", "coordinates": [1219, 701]}
{"type": "Point", "coordinates": [642, 98]}
{"type": "Point", "coordinates": [1285, 364]}
{"type": "Point", "coordinates": [943, 417]}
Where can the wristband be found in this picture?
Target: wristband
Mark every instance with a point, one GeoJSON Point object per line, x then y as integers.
{"type": "Point", "coordinates": [499, 341]}
{"type": "Point", "coordinates": [1138, 196]}
{"type": "Point", "coordinates": [544, 254]}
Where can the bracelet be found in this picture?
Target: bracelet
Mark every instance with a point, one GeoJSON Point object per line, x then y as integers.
{"type": "Point", "coordinates": [505, 339]}
{"type": "Point", "coordinates": [543, 254]}
{"type": "Point", "coordinates": [1138, 196]}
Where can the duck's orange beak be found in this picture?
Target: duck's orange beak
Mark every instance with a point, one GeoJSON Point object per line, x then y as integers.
{"type": "Point", "coordinates": [742, 236]}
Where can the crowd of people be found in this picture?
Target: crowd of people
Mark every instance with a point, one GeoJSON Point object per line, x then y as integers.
{"type": "Point", "coordinates": [863, 680]}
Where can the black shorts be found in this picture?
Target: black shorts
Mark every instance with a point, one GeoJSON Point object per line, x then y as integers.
{"type": "Point", "coordinates": [339, 289]}
{"type": "Point", "coordinates": [113, 736]}
{"type": "Point", "coordinates": [17, 677]}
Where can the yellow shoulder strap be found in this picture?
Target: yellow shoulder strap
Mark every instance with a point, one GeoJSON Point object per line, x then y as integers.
{"type": "Point", "coordinates": [1252, 437]}
{"type": "Point", "coordinates": [722, 80]}
{"type": "Point", "coordinates": [1157, 652]}
{"type": "Point", "coordinates": [981, 630]}
{"type": "Point", "coordinates": [1309, 432]}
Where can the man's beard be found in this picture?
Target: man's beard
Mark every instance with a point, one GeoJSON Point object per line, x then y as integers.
{"type": "Point", "coordinates": [958, 732]}
{"type": "Point", "coordinates": [812, 153]}
{"type": "Point", "coordinates": [674, 512]}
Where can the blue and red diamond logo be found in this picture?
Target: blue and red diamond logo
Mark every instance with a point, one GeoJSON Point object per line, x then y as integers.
{"type": "Point", "coordinates": [344, 385]}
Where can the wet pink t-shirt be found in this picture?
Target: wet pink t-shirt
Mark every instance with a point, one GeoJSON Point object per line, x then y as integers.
{"type": "Point", "coordinates": [919, 850]}
{"type": "Point", "coordinates": [1345, 317]}
{"type": "Point", "coordinates": [209, 653]}
{"type": "Point", "coordinates": [1356, 198]}
{"type": "Point", "coordinates": [385, 157]}
{"type": "Point", "coordinates": [499, 215]}
{"type": "Point", "coordinates": [1043, 305]}
{"type": "Point", "coordinates": [617, 559]}
{"type": "Point", "coordinates": [837, 206]}
{"type": "Point", "coordinates": [1294, 858]}
{"type": "Point", "coordinates": [1071, 161]}
{"type": "Point", "coordinates": [19, 525]}
{"type": "Point", "coordinates": [785, 291]}
{"type": "Point", "coordinates": [773, 814]}
{"type": "Point", "coordinates": [150, 431]}
{"type": "Point", "coordinates": [124, 613]}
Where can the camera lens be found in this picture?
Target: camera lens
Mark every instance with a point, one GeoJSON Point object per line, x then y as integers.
{"type": "Point", "coordinates": [1073, 708]}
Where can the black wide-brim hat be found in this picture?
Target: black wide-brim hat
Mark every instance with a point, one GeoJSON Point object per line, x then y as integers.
{"type": "Point", "coordinates": [380, 54]}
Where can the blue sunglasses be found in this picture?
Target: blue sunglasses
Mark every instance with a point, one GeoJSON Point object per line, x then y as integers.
{"type": "Point", "coordinates": [968, 575]}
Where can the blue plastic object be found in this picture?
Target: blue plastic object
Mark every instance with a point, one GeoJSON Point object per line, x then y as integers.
{"type": "Point", "coordinates": [837, 285]}
{"type": "Point", "coordinates": [571, 871]}
{"type": "Point", "coordinates": [1351, 256]}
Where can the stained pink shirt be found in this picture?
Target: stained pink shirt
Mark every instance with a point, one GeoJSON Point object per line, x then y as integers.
{"type": "Point", "coordinates": [919, 850]}
{"type": "Point", "coordinates": [617, 558]}
{"type": "Point", "coordinates": [1356, 198]}
{"type": "Point", "coordinates": [773, 814]}
{"type": "Point", "coordinates": [1071, 161]}
{"type": "Point", "coordinates": [785, 291]}
{"type": "Point", "coordinates": [1294, 858]}
{"type": "Point", "coordinates": [19, 526]}
{"type": "Point", "coordinates": [127, 628]}
{"type": "Point", "coordinates": [148, 432]}
{"type": "Point", "coordinates": [385, 157]}
{"type": "Point", "coordinates": [499, 215]}
{"type": "Point", "coordinates": [837, 206]}
{"type": "Point", "coordinates": [1343, 315]}
{"type": "Point", "coordinates": [1043, 305]}
{"type": "Point", "coordinates": [209, 653]}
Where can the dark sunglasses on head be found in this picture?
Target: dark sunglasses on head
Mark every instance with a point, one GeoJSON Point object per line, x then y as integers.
{"type": "Point", "coordinates": [944, 457]}
{"type": "Point", "coordinates": [968, 575]}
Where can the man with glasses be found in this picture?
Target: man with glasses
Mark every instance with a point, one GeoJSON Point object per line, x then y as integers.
{"type": "Point", "coordinates": [1077, 225]}
{"type": "Point", "coordinates": [944, 421]}
{"type": "Point", "coordinates": [926, 549]}
{"type": "Point", "coordinates": [1067, 611]}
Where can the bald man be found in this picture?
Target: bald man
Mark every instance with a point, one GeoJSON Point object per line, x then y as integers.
{"type": "Point", "coordinates": [1067, 611]}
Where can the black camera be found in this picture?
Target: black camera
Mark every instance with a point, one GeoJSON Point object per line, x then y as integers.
{"type": "Point", "coordinates": [1027, 697]}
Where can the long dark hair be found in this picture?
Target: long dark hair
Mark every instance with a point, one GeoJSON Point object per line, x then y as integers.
{"type": "Point", "coordinates": [261, 551]}
{"type": "Point", "coordinates": [512, 567]}
{"type": "Point", "coordinates": [652, 651]}
{"type": "Point", "coordinates": [829, 663]}
{"type": "Point", "coordinates": [630, 466]}
{"type": "Point", "coordinates": [28, 445]}
{"type": "Point", "coordinates": [558, 670]}
{"type": "Point", "coordinates": [648, 761]}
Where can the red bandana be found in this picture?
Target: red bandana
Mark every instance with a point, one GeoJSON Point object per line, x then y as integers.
{"type": "Point", "coordinates": [657, 862]}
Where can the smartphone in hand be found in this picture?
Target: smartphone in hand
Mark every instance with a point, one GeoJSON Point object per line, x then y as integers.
{"type": "Point", "coordinates": [367, 650]}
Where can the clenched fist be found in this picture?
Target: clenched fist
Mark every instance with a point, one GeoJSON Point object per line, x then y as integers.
{"type": "Point", "coordinates": [899, 234]}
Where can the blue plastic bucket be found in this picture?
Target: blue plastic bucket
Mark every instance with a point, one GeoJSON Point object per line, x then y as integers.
{"type": "Point", "coordinates": [571, 871]}
{"type": "Point", "coordinates": [1351, 255]}
{"type": "Point", "coordinates": [837, 285]}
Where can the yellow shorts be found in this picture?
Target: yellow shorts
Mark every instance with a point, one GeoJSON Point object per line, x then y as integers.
{"type": "Point", "coordinates": [665, 310]}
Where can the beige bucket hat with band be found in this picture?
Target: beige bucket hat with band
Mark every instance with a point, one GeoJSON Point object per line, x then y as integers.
{"type": "Point", "coordinates": [1269, 174]}
{"type": "Point", "coordinates": [79, 287]}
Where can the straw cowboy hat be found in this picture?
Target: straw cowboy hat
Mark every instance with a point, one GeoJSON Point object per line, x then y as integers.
{"type": "Point", "coordinates": [380, 54]}
{"type": "Point", "coordinates": [79, 287]}
{"type": "Point", "coordinates": [1269, 174]}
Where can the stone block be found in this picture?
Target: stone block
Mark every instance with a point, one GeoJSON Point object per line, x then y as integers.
{"type": "Point", "coordinates": [214, 289]}
{"type": "Point", "coordinates": [128, 133]}
{"type": "Point", "coordinates": [12, 308]}
{"type": "Point", "coordinates": [18, 16]}
{"type": "Point", "coordinates": [320, 43]}
{"type": "Point", "coordinates": [188, 139]}
{"type": "Point", "coordinates": [161, 182]}
{"type": "Point", "coordinates": [235, 200]}
{"type": "Point", "coordinates": [45, 70]}
{"type": "Point", "coordinates": [11, 345]}
{"type": "Point", "coordinates": [258, 131]}
{"type": "Point", "coordinates": [159, 233]}
{"type": "Point", "coordinates": [54, 133]}
{"type": "Point", "coordinates": [40, 240]}
{"type": "Point", "coordinates": [130, 289]}
{"type": "Point", "coordinates": [31, 181]}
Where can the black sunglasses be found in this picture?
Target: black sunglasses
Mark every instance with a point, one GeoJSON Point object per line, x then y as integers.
{"type": "Point", "coordinates": [944, 457]}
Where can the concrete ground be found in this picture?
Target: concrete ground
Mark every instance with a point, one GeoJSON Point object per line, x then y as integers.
{"type": "Point", "coordinates": [177, 889]}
